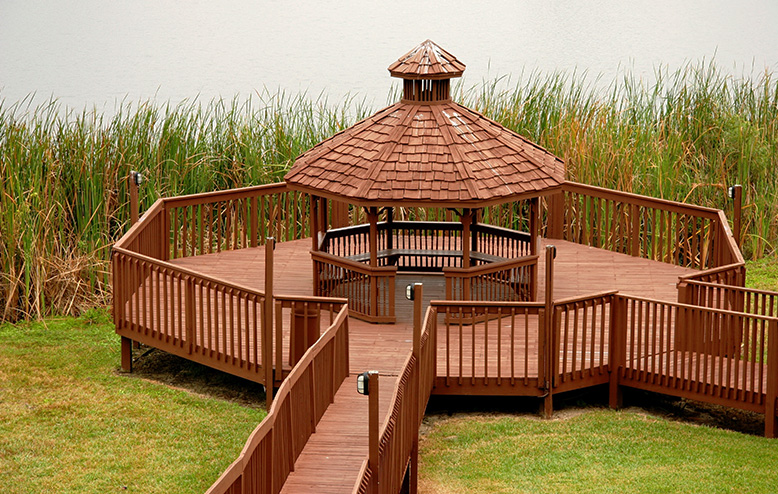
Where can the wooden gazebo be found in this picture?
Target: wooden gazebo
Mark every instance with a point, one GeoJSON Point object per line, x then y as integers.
{"type": "Point", "coordinates": [426, 151]}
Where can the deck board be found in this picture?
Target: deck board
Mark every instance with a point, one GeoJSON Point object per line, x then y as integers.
{"type": "Point", "coordinates": [331, 460]}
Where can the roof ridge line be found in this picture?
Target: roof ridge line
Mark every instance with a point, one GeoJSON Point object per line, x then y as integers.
{"type": "Point", "coordinates": [378, 161]}
{"type": "Point", "coordinates": [467, 177]}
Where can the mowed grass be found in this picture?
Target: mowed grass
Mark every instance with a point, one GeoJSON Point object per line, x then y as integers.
{"type": "Point", "coordinates": [596, 451]}
{"type": "Point", "coordinates": [71, 422]}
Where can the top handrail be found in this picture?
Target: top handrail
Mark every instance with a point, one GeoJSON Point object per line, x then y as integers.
{"type": "Point", "coordinates": [731, 287]}
{"type": "Point", "coordinates": [492, 267]}
{"type": "Point", "coordinates": [137, 228]}
{"type": "Point", "coordinates": [220, 195]}
{"type": "Point", "coordinates": [194, 274]}
{"type": "Point", "coordinates": [710, 213]}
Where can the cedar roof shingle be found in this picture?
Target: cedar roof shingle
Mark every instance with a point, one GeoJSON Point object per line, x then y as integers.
{"type": "Point", "coordinates": [395, 157]}
{"type": "Point", "coordinates": [427, 61]}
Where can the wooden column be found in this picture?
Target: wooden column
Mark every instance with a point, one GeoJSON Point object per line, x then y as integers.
{"type": "Point", "coordinates": [315, 225]}
{"type": "Point", "coordinates": [418, 298]}
{"type": "Point", "coordinates": [323, 219]}
{"type": "Point", "coordinates": [267, 323]}
{"type": "Point", "coordinates": [126, 354]}
{"type": "Point", "coordinates": [373, 432]}
{"type": "Point", "coordinates": [467, 221]}
{"type": "Point", "coordinates": [770, 418]}
{"type": "Point", "coordinates": [372, 216]}
{"type": "Point", "coordinates": [737, 198]}
{"type": "Point", "coordinates": [534, 225]}
{"type": "Point", "coordinates": [616, 347]}
{"type": "Point", "coordinates": [132, 183]}
{"type": "Point", "coordinates": [389, 224]}
{"type": "Point", "coordinates": [314, 220]}
{"type": "Point", "coordinates": [548, 335]}
{"type": "Point", "coordinates": [556, 215]}
{"type": "Point", "coordinates": [473, 233]}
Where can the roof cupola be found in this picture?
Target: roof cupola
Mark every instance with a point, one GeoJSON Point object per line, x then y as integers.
{"type": "Point", "coordinates": [426, 72]}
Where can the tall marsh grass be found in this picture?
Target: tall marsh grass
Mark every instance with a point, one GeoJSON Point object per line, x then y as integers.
{"type": "Point", "coordinates": [63, 197]}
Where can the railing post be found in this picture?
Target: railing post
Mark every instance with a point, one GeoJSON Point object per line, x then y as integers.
{"type": "Point", "coordinates": [134, 181]}
{"type": "Point", "coordinates": [373, 432]}
{"type": "Point", "coordinates": [770, 418]}
{"type": "Point", "coordinates": [534, 222]}
{"type": "Point", "coordinates": [548, 335]}
{"type": "Point", "coordinates": [267, 323]}
{"type": "Point", "coordinates": [556, 215]}
{"type": "Point", "coordinates": [634, 212]}
{"type": "Point", "coordinates": [418, 295]}
{"type": "Point", "coordinates": [126, 354]}
{"type": "Point", "coordinates": [189, 311]}
{"type": "Point", "coordinates": [736, 193]}
{"type": "Point", "coordinates": [616, 349]}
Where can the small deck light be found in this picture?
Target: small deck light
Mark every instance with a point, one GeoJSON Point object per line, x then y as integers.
{"type": "Point", "coordinates": [137, 177]}
{"type": "Point", "coordinates": [409, 291]}
{"type": "Point", "coordinates": [363, 382]}
{"type": "Point", "coordinates": [731, 191]}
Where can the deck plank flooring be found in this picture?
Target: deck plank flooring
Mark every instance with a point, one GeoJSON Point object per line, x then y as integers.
{"type": "Point", "coordinates": [331, 460]}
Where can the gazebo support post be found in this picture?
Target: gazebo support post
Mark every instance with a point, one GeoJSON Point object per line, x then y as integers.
{"type": "Point", "coordinates": [314, 221]}
{"type": "Point", "coordinates": [372, 217]}
{"type": "Point", "coordinates": [467, 221]}
{"type": "Point", "coordinates": [390, 227]}
{"type": "Point", "coordinates": [534, 225]}
{"type": "Point", "coordinates": [556, 215]}
{"type": "Point", "coordinates": [473, 233]}
{"type": "Point", "coordinates": [323, 223]}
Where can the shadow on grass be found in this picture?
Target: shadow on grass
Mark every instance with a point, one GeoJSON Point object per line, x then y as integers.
{"type": "Point", "coordinates": [162, 367]}
{"type": "Point", "coordinates": [572, 403]}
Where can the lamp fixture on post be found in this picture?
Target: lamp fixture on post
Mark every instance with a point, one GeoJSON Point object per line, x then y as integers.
{"type": "Point", "coordinates": [363, 382]}
{"type": "Point", "coordinates": [137, 177]}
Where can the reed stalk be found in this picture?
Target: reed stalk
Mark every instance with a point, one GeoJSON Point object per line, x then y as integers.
{"type": "Point", "coordinates": [63, 197]}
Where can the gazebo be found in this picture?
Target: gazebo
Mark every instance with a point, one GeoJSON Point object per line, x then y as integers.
{"type": "Point", "coordinates": [426, 153]}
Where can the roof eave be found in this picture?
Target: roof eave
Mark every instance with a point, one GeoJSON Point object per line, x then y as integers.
{"type": "Point", "coordinates": [428, 203]}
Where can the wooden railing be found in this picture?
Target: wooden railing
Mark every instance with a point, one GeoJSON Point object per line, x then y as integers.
{"type": "Point", "coordinates": [233, 219]}
{"type": "Point", "coordinates": [146, 237]}
{"type": "Point", "coordinates": [672, 232]}
{"type": "Point", "coordinates": [729, 297]}
{"type": "Point", "coordinates": [370, 291]}
{"type": "Point", "coordinates": [425, 246]}
{"type": "Point", "coordinates": [501, 242]}
{"type": "Point", "coordinates": [507, 281]}
{"type": "Point", "coordinates": [347, 241]}
{"type": "Point", "coordinates": [272, 449]}
{"type": "Point", "coordinates": [718, 356]}
{"type": "Point", "coordinates": [581, 339]}
{"type": "Point", "coordinates": [204, 319]}
{"type": "Point", "coordinates": [399, 433]}
{"type": "Point", "coordinates": [486, 346]}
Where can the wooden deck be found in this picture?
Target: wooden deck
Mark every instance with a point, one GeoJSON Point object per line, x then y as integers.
{"type": "Point", "coordinates": [579, 270]}
{"type": "Point", "coordinates": [331, 460]}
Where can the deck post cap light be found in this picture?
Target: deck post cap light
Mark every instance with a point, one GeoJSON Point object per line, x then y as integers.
{"type": "Point", "coordinates": [552, 248]}
{"type": "Point", "coordinates": [363, 382]}
{"type": "Point", "coordinates": [137, 177]}
{"type": "Point", "coordinates": [409, 291]}
{"type": "Point", "coordinates": [731, 191]}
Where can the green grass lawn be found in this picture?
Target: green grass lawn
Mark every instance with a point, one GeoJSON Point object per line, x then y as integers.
{"type": "Point", "coordinates": [596, 451]}
{"type": "Point", "coordinates": [70, 422]}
